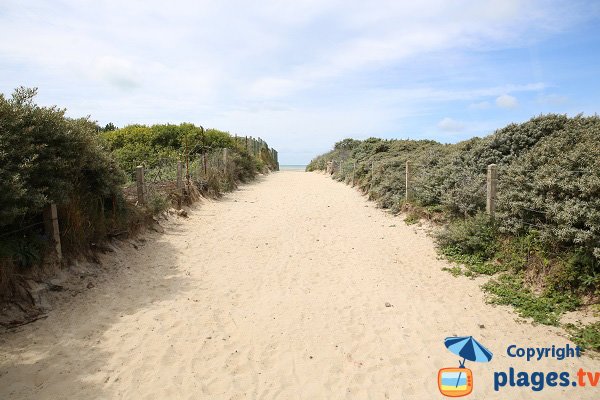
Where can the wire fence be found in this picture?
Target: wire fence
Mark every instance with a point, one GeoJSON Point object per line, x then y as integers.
{"type": "Point", "coordinates": [195, 170]}
{"type": "Point", "coordinates": [480, 187]}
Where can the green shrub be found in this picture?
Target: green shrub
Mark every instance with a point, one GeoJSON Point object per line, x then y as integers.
{"type": "Point", "coordinates": [158, 146]}
{"type": "Point", "coordinates": [555, 188]}
{"type": "Point", "coordinates": [244, 167]}
{"type": "Point", "coordinates": [47, 157]}
{"type": "Point", "coordinates": [577, 270]}
{"type": "Point", "coordinates": [134, 145]}
{"type": "Point", "coordinates": [157, 203]}
{"type": "Point", "coordinates": [475, 236]}
{"type": "Point", "coordinates": [24, 250]}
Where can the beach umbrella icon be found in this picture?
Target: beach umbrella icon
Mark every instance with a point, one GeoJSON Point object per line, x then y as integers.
{"type": "Point", "coordinates": [469, 349]}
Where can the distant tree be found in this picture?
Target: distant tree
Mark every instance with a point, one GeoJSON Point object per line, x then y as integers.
{"type": "Point", "coordinates": [110, 127]}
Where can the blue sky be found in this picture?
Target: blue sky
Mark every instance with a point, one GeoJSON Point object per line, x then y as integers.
{"type": "Point", "coordinates": [303, 74]}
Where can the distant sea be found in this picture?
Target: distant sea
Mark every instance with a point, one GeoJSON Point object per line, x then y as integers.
{"type": "Point", "coordinates": [292, 167]}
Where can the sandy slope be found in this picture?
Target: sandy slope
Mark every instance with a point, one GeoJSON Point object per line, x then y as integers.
{"type": "Point", "coordinates": [277, 291]}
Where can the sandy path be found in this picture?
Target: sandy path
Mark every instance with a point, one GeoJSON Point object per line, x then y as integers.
{"type": "Point", "coordinates": [277, 291]}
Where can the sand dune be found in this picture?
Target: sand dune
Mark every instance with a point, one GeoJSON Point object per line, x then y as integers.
{"type": "Point", "coordinates": [278, 291]}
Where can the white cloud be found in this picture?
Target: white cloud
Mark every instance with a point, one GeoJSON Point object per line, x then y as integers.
{"type": "Point", "coordinates": [118, 72]}
{"type": "Point", "coordinates": [552, 99]}
{"type": "Point", "coordinates": [272, 87]}
{"type": "Point", "coordinates": [482, 105]}
{"type": "Point", "coordinates": [267, 67]}
{"type": "Point", "coordinates": [451, 125]}
{"type": "Point", "coordinates": [506, 101]}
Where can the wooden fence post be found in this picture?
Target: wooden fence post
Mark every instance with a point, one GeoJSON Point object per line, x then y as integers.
{"type": "Point", "coordinates": [51, 228]}
{"type": "Point", "coordinates": [187, 162]}
{"type": "Point", "coordinates": [492, 184]}
{"type": "Point", "coordinates": [179, 183]}
{"type": "Point", "coordinates": [139, 177]}
{"type": "Point", "coordinates": [408, 189]}
{"type": "Point", "coordinates": [353, 173]}
{"type": "Point", "coordinates": [179, 177]}
{"type": "Point", "coordinates": [372, 176]}
{"type": "Point", "coordinates": [225, 150]}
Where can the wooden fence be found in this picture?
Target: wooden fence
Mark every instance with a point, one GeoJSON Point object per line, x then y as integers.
{"type": "Point", "coordinates": [491, 182]}
{"type": "Point", "coordinates": [193, 167]}
{"type": "Point", "coordinates": [255, 146]}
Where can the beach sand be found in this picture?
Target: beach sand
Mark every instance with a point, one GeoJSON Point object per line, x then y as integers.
{"type": "Point", "coordinates": [277, 291]}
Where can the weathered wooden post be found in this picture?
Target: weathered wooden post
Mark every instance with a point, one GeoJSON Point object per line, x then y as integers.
{"type": "Point", "coordinates": [139, 178]}
{"type": "Point", "coordinates": [492, 184]}
{"type": "Point", "coordinates": [51, 228]}
{"type": "Point", "coordinates": [187, 162]}
{"type": "Point", "coordinates": [353, 173]}
{"type": "Point", "coordinates": [372, 175]}
{"type": "Point", "coordinates": [179, 177]}
{"type": "Point", "coordinates": [225, 151]}
{"type": "Point", "coordinates": [179, 183]}
{"type": "Point", "coordinates": [408, 188]}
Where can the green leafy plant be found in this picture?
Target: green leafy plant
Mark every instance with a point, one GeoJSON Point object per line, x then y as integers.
{"type": "Point", "coordinates": [545, 308]}
{"type": "Point", "coordinates": [454, 271]}
{"type": "Point", "coordinates": [475, 236]}
{"type": "Point", "coordinates": [585, 336]}
{"type": "Point", "coordinates": [157, 203]}
{"type": "Point", "coordinates": [48, 157]}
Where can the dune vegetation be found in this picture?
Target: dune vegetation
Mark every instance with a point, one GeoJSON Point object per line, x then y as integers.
{"type": "Point", "coordinates": [543, 245]}
{"type": "Point", "coordinates": [47, 157]}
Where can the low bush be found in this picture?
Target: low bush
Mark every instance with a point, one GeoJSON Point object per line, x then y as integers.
{"type": "Point", "coordinates": [476, 236]}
